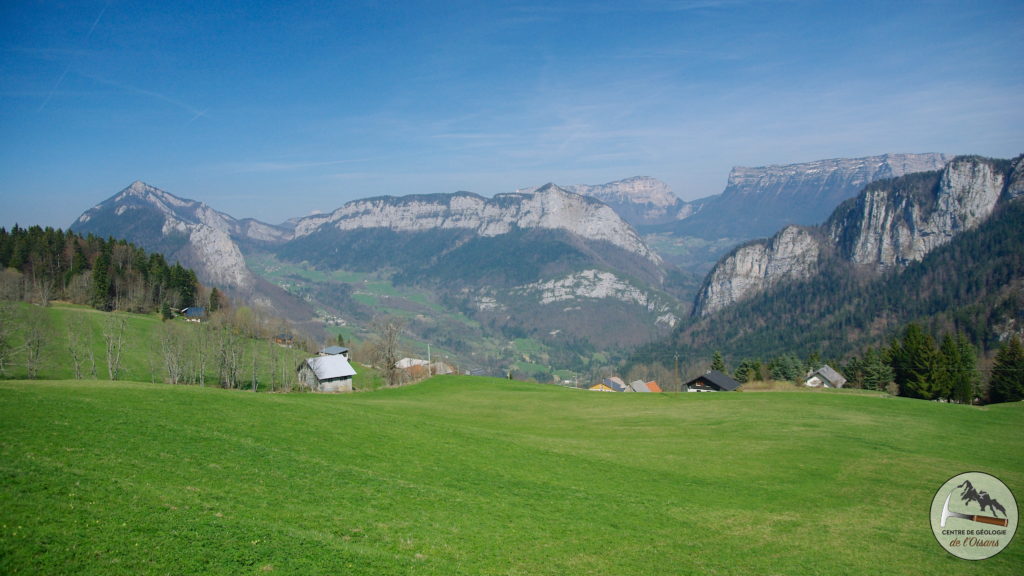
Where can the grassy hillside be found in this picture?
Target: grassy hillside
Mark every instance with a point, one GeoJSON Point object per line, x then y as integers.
{"type": "Point", "coordinates": [142, 358]}
{"type": "Point", "coordinates": [465, 475]}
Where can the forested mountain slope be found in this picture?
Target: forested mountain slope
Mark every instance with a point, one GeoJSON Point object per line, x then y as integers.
{"type": "Point", "coordinates": [971, 281]}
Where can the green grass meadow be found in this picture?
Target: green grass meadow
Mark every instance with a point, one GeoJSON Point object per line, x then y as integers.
{"type": "Point", "coordinates": [463, 475]}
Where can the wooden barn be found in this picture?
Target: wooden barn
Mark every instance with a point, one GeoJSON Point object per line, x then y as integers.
{"type": "Point", "coordinates": [713, 381]}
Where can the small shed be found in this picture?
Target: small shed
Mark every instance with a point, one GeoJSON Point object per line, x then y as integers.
{"type": "Point", "coordinates": [327, 374]}
{"type": "Point", "coordinates": [825, 377]}
{"type": "Point", "coordinates": [713, 381]}
{"type": "Point", "coordinates": [193, 313]}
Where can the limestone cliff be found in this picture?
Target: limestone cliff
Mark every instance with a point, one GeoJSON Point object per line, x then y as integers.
{"type": "Point", "coordinates": [640, 200]}
{"type": "Point", "coordinates": [759, 265]}
{"type": "Point", "coordinates": [547, 208]}
{"type": "Point", "coordinates": [891, 223]}
{"type": "Point", "coordinates": [759, 201]}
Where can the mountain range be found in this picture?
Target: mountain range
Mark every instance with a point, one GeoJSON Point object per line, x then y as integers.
{"type": "Point", "coordinates": [944, 249]}
{"type": "Point", "coordinates": [546, 264]}
{"type": "Point", "coordinates": [577, 269]}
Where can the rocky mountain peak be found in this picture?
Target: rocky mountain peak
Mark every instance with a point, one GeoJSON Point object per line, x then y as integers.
{"type": "Point", "coordinates": [183, 230]}
{"type": "Point", "coordinates": [640, 200]}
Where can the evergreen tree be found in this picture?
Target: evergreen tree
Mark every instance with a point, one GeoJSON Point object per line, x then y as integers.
{"type": "Point", "coordinates": [877, 372]}
{"type": "Point", "coordinates": [214, 300]}
{"type": "Point", "coordinates": [786, 367]}
{"type": "Point", "coordinates": [958, 368]}
{"type": "Point", "coordinates": [165, 311]}
{"type": "Point", "coordinates": [914, 360]}
{"type": "Point", "coordinates": [101, 281]}
{"type": "Point", "coordinates": [1007, 384]}
{"type": "Point", "coordinates": [854, 371]}
{"type": "Point", "coordinates": [717, 363]}
{"type": "Point", "coordinates": [749, 370]}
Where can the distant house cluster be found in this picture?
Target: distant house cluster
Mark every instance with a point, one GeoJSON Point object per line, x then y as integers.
{"type": "Point", "coordinates": [713, 381]}
{"type": "Point", "coordinates": [616, 384]}
{"type": "Point", "coordinates": [716, 381]}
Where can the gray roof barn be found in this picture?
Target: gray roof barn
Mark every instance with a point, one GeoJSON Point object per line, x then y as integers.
{"type": "Point", "coordinates": [334, 350]}
{"type": "Point", "coordinates": [327, 373]}
{"type": "Point", "coordinates": [825, 376]}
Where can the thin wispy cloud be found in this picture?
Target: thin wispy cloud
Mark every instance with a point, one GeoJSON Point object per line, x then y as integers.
{"type": "Point", "coordinates": [489, 97]}
{"type": "Point", "coordinates": [194, 113]}
{"type": "Point", "coordinates": [76, 55]}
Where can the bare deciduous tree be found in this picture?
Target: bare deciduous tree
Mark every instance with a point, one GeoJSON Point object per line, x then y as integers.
{"type": "Point", "coordinates": [7, 323]}
{"type": "Point", "coordinates": [229, 354]}
{"type": "Point", "coordinates": [200, 341]}
{"type": "Point", "coordinates": [11, 284]}
{"type": "Point", "coordinates": [37, 334]}
{"type": "Point", "coordinates": [173, 345]}
{"type": "Point", "coordinates": [79, 344]}
{"type": "Point", "coordinates": [113, 337]}
{"type": "Point", "coordinates": [386, 347]}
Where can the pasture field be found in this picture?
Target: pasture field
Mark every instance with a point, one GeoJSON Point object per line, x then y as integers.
{"type": "Point", "coordinates": [463, 475]}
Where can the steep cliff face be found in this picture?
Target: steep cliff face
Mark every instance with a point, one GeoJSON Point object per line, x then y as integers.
{"type": "Point", "coordinates": [184, 230]}
{"type": "Point", "coordinates": [759, 201]}
{"type": "Point", "coordinates": [899, 222]}
{"type": "Point", "coordinates": [891, 223]}
{"type": "Point", "coordinates": [759, 265]}
{"type": "Point", "coordinates": [829, 179]}
{"type": "Point", "coordinates": [547, 208]}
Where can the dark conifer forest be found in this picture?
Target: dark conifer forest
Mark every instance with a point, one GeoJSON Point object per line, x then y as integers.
{"type": "Point", "coordinates": [43, 264]}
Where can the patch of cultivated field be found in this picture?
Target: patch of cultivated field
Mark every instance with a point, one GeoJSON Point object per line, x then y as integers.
{"type": "Point", "coordinates": [465, 475]}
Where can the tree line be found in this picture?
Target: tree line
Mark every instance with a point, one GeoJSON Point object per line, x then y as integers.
{"type": "Point", "coordinates": [43, 264]}
{"type": "Point", "coordinates": [912, 365]}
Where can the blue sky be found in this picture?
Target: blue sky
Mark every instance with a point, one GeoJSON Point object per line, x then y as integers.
{"type": "Point", "coordinates": [276, 109]}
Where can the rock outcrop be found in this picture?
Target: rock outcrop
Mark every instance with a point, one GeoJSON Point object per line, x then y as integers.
{"type": "Point", "coordinates": [548, 207]}
{"type": "Point", "coordinates": [891, 223]}
{"type": "Point", "coordinates": [597, 285]}
{"type": "Point", "coordinates": [757, 266]}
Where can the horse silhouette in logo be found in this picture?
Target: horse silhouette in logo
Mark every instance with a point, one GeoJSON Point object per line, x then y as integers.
{"type": "Point", "coordinates": [981, 497]}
